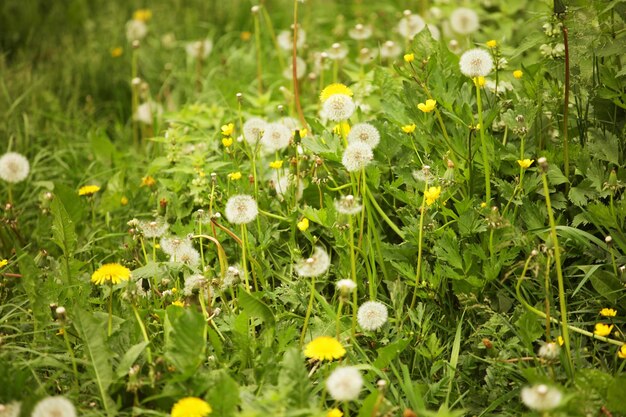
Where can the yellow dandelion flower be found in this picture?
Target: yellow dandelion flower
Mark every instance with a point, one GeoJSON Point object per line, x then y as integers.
{"type": "Point", "coordinates": [277, 164]}
{"type": "Point", "coordinates": [148, 181]}
{"type": "Point", "coordinates": [234, 176]}
{"type": "Point", "coordinates": [602, 329]}
{"type": "Point", "coordinates": [483, 205]}
{"type": "Point", "coordinates": [428, 106]}
{"type": "Point", "coordinates": [333, 89]}
{"type": "Point", "coordinates": [124, 200]}
{"type": "Point", "coordinates": [142, 14]}
{"type": "Point", "coordinates": [3, 263]}
{"type": "Point", "coordinates": [479, 81]}
{"type": "Point", "coordinates": [324, 348]}
{"type": "Point", "coordinates": [560, 340]}
{"type": "Point", "coordinates": [525, 163]}
{"type": "Point", "coordinates": [608, 312]}
{"type": "Point", "coordinates": [228, 141]}
{"type": "Point", "coordinates": [303, 224]}
{"type": "Point", "coordinates": [431, 195]}
{"type": "Point", "coordinates": [113, 273]}
{"type": "Point", "coordinates": [178, 303]}
{"type": "Point", "coordinates": [621, 353]}
{"type": "Point", "coordinates": [518, 74]}
{"type": "Point", "coordinates": [117, 52]}
{"type": "Point", "coordinates": [88, 190]}
{"type": "Point", "coordinates": [228, 129]}
{"type": "Point", "coordinates": [191, 407]}
{"type": "Point", "coordinates": [409, 57]}
{"type": "Point", "coordinates": [492, 43]}
{"type": "Point", "coordinates": [245, 36]}
{"type": "Point", "coordinates": [335, 412]}
{"type": "Point", "coordinates": [342, 129]}
{"type": "Point", "coordinates": [408, 128]}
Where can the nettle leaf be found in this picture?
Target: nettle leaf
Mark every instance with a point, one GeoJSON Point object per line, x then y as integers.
{"type": "Point", "coordinates": [254, 307]}
{"type": "Point", "coordinates": [184, 340]}
{"type": "Point", "coordinates": [91, 331]}
{"type": "Point", "coordinates": [63, 230]}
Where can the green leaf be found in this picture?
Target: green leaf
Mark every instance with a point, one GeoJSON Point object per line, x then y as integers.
{"type": "Point", "coordinates": [184, 339]}
{"type": "Point", "coordinates": [63, 231]}
{"type": "Point", "coordinates": [294, 376]}
{"type": "Point", "coordinates": [129, 359]}
{"type": "Point", "coordinates": [388, 353]}
{"type": "Point", "coordinates": [254, 307]}
{"type": "Point", "coordinates": [31, 283]}
{"type": "Point", "coordinates": [91, 331]}
{"type": "Point", "coordinates": [223, 394]}
{"type": "Point", "coordinates": [607, 285]}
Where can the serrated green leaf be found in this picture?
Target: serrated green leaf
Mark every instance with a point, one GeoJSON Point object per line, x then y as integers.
{"type": "Point", "coordinates": [63, 230]}
{"type": "Point", "coordinates": [254, 307]}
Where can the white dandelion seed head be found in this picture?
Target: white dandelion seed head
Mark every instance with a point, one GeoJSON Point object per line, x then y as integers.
{"type": "Point", "coordinates": [338, 107]}
{"type": "Point", "coordinates": [348, 204]}
{"type": "Point", "coordinates": [232, 276]}
{"type": "Point", "coordinates": [366, 133]}
{"type": "Point", "coordinates": [464, 21]}
{"type": "Point", "coordinates": [290, 122]}
{"type": "Point", "coordinates": [549, 350]}
{"type": "Point", "coordinates": [357, 156]}
{"type": "Point", "coordinates": [541, 397]}
{"type": "Point", "coordinates": [11, 409]}
{"type": "Point", "coordinates": [372, 315]}
{"type": "Point", "coordinates": [346, 286]}
{"type": "Point", "coordinates": [14, 167]}
{"type": "Point", "coordinates": [188, 255]}
{"type": "Point", "coordinates": [276, 137]}
{"type": "Point", "coordinates": [345, 383]}
{"type": "Point", "coordinates": [361, 32]}
{"type": "Point", "coordinates": [241, 209]}
{"type": "Point", "coordinates": [253, 130]}
{"type": "Point", "coordinates": [317, 264]}
{"type": "Point", "coordinates": [199, 49]}
{"type": "Point", "coordinates": [146, 112]}
{"type": "Point", "coordinates": [54, 407]}
{"type": "Point", "coordinates": [283, 181]}
{"type": "Point", "coordinates": [153, 228]}
{"type": "Point", "coordinates": [366, 56]}
{"type": "Point", "coordinates": [476, 63]}
{"type": "Point", "coordinates": [390, 50]}
{"type": "Point", "coordinates": [300, 69]}
{"type": "Point", "coordinates": [337, 51]}
{"type": "Point", "coordinates": [136, 30]}
{"type": "Point", "coordinates": [285, 39]}
{"type": "Point", "coordinates": [410, 25]}
{"type": "Point", "coordinates": [192, 283]}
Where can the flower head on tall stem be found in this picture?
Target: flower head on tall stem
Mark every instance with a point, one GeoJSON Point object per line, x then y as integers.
{"type": "Point", "coordinates": [315, 265]}
{"type": "Point", "coordinates": [14, 167]}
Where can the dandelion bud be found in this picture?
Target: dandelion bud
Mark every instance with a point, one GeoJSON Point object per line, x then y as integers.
{"type": "Point", "coordinates": [608, 240]}
{"type": "Point", "coordinates": [450, 164]}
{"type": "Point", "coordinates": [255, 9]}
{"type": "Point", "coordinates": [534, 252]}
{"type": "Point", "coordinates": [136, 82]}
{"type": "Point", "coordinates": [487, 343]}
{"type": "Point", "coordinates": [53, 310]}
{"type": "Point", "coordinates": [406, 13]}
{"type": "Point", "coordinates": [280, 108]}
{"type": "Point", "coordinates": [213, 176]}
{"type": "Point", "coordinates": [543, 163]}
{"type": "Point", "coordinates": [519, 118]}
{"type": "Point", "coordinates": [136, 44]}
{"type": "Point", "coordinates": [408, 413]}
{"type": "Point", "coordinates": [381, 384]}
{"type": "Point", "coordinates": [60, 313]}
{"type": "Point", "coordinates": [239, 97]}
{"type": "Point", "coordinates": [613, 179]}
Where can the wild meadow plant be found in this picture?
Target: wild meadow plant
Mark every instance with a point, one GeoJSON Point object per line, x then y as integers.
{"type": "Point", "coordinates": [312, 208]}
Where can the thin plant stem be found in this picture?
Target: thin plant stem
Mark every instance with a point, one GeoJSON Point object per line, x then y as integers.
{"type": "Point", "coordinates": [134, 98]}
{"type": "Point", "coordinates": [110, 324]}
{"type": "Point", "coordinates": [547, 290]}
{"type": "Point", "coordinates": [146, 339]}
{"type": "Point", "coordinates": [483, 145]}
{"type": "Point", "coordinates": [244, 256]}
{"type": "Point", "coordinates": [259, 59]}
{"type": "Point", "coordinates": [296, 88]}
{"type": "Point", "coordinates": [339, 308]}
{"type": "Point", "coordinates": [270, 27]}
{"type": "Point", "coordinates": [72, 356]}
{"type": "Point", "coordinates": [566, 106]}
{"type": "Point", "coordinates": [420, 238]}
{"type": "Point", "coordinates": [559, 273]}
{"type": "Point", "coordinates": [383, 214]}
{"type": "Point", "coordinates": [309, 308]}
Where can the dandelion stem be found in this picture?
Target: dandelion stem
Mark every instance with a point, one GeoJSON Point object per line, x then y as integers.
{"type": "Point", "coordinates": [72, 356]}
{"type": "Point", "coordinates": [339, 315]}
{"type": "Point", "coordinates": [110, 324]}
{"type": "Point", "coordinates": [259, 61]}
{"type": "Point", "coordinates": [296, 92]}
{"type": "Point", "coordinates": [383, 215]}
{"type": "Point", "coordinates": [418, 272]}
{"type": "Point", "coordinates": [483, 145]}
{"type": "Point", "coordinates": [146, 339]}
{"type": "Point", "coordinates": [559, 274]}
{"type": "Point", "coordinates": [547, 289]}
{"type": "Point", "coordinates": [309, 308]}
{"type": "Point", "coordinates": [244, 261]}
{"type": "Point", "coordinates": [566, 106]}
